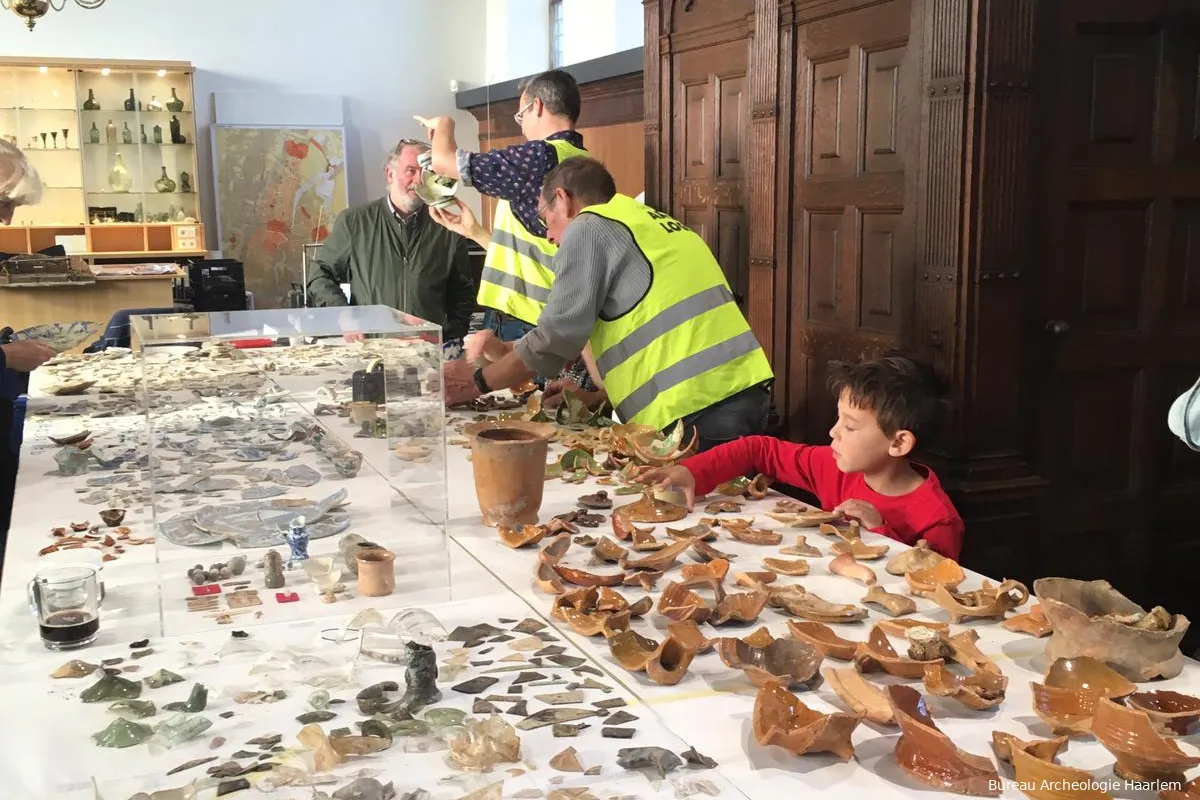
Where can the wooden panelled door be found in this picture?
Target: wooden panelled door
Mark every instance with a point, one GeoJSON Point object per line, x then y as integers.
{"type": "Point", "coordinates": [712, 117]}
{"type": "Point", "coordinates": [1118, 208]}
{"type": "Point", "coordinates": [855, 146]}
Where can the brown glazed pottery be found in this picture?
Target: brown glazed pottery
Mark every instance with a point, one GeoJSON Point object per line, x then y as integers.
{"type": "Point", "coordinates": [1142, 754]}
{"type": "Point", "coordinates": [1087, 674]}
{"type": "Point", "coordinates": [509, 462]}
{"type": "Point", "coordinates": [1171, 712]}
{"type": "Point", "coordinates": [376, 572]}
{"type": "Point", "coordinates": [1037, 774]}
{"type": "Point", "coordinates": [1091, 618]}
{"type": "Point", "coordinates": [919, 557]}
{"type": "Point", "coordinates": [112, 517]}
{"type": "Point", "coordinates": [781, 719]}
{"type": "Point", "coordinates": [928, 755]}
{"type": "Point", "coordinates": [790, 663]}
{"type": "Point", "coordinates": [862, 696]}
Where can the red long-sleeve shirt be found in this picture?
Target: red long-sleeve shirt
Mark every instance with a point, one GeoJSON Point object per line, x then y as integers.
{"type": "Point", "coordinates": [924, 513]}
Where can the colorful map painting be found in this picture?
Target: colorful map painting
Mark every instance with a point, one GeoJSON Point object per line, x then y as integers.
{"type": "Point", "coordinates": [277, 189]}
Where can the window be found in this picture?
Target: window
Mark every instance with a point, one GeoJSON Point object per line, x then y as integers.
{"type": "Point", "coordinates": [556, 34]}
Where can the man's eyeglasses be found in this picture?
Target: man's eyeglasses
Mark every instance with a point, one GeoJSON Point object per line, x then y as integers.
{"type": "Point", "coordinates": [517, 116]}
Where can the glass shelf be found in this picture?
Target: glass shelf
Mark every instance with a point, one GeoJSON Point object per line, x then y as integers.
{"type": "Point", "coordinates": [33, 108]}
{"type": "Point", "coordinates": [132, 144]}
{"type": "Point", "coordinates": [116, 111]}
{"type": "Point", "coordinates": [28, 150]}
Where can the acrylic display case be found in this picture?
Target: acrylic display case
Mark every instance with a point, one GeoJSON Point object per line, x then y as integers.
{"type": "Point", "coordinates": [115, 146]}
{"type": "Point", "coordinates": [260, 423]}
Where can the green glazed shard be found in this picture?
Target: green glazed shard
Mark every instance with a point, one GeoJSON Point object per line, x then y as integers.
{"type": "Point", "coordinates": [196, 701]}
{"type": "Point", "coordinates": [122, 733]}
{"type": "Point", "coordinates": [164, 677]}
{"type": "Point", "coordinates": [111, 687]}
{"type": "Point", "coordinates": [311, 717]}
{"type": "Point", "coordinates": [181, 728]}
{"type": "Point", "coordinates": [138, 709]}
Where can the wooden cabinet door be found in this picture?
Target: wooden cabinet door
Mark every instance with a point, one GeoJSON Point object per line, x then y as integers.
{"type": "Point", "coordinates": [1118, 212]}
{"type": "Point", "coordinates": [709, 125]}
{"type": "Point", "coordinates": [854, 153]}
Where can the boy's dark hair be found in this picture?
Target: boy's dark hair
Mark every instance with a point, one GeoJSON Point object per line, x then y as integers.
{"type": "Point", "coordinates": [584, 178]}
{"type": "Point", "coordinates": [904, 393]}
{"type": "Point", "coordinates": [558, 92]}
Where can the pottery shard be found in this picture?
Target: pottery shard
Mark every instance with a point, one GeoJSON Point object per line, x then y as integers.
{"type": "Point", "coordinates": [781, 719]}
{"type": "Point", "coordinates": [928, 755]}
{"type": "Point", "coordinates": [1091, 618]}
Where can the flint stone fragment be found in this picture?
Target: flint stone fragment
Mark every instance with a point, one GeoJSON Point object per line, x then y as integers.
{"type": "Point", "coordinates": [697, 760]}
{"type": "Point", "coordinates": [617, 733]}
{"type": "Point", "coordinates": [660, 760]}
{"type": "Point", "coordinates": [476, 685]}
{"type": "Point", "coordinates": [621, 718]}
{"type": "Point", "coordinates": [310, 717]}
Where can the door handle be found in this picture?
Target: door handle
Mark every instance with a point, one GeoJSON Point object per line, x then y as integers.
{"type": "Point", "coordinates": [1057, 327]}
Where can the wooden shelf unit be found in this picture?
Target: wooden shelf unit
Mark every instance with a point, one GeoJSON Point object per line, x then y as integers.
{"type": "Point", "coordinates": [46, 96]}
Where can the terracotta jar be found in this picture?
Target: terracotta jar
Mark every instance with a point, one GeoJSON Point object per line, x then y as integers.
{"type": "Point", "coordinates": [509, 461]}
{"type": "Point", "coordinates": [376, 572]}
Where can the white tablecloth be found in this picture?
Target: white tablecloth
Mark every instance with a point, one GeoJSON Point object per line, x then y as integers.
{"type": "Point", "coordinates": [709, 709]}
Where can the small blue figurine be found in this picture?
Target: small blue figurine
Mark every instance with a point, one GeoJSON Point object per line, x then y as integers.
{"type": "Point", "coordinates": [297, 539]}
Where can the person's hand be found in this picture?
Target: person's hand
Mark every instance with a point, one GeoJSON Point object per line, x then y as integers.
{"type": "Point", "coordinates": [555, 391]}
{"type": "Point", "coordinates": [431, 124]}
{"type": "Point", "coordinates": [678, 477]}
{"type": "Point", "coordinates": [867, 515]}
{"type": "Point", "coordinates": [354, 336]}
{"type": "Point", "coordinates": [461, 220]}
{"type": "Point", "coordinates": [458, 378]}
{"type": "Point", "coordinates": [27, 354]}
{"type": "Point", "coordinates": [481, 347]}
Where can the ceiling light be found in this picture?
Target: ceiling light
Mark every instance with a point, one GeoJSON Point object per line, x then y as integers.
{"type": "Point", "coordinates": [105, 72]}
{"type": "Point", "coordinates": [43, 70]}
{"type": "Point", "coordinates": [33, 10]}
{"type": "Point", "coordinates": [162, 73]}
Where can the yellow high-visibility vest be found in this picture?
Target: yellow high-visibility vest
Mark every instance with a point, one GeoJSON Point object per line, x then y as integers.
{"type": "Point", "coordinates": [519, 268]}
{"type": "Point", "coordinates": [686, 345]}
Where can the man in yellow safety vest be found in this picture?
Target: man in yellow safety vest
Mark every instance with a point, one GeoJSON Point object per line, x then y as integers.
{"type": "Point", "coordinates": [647, 295]}
{"type": "Point", "coordinates": [519, 269]}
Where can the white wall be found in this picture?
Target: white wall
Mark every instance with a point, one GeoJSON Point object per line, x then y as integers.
{"type": "Point", "coordinates": [389, 59]}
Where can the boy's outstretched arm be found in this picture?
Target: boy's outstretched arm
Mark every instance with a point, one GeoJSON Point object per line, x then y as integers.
{"type": "Point", "coordinates": [781, 461]}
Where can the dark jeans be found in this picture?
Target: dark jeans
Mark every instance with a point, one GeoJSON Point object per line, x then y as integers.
{"type": "Point", "coordinates": [117, 334]}
{"type": "Point", "coordinates": [507, 329]}
{"type": "Point", "coordinates": [743, 414]}
{"type": "Point", "coordinates": [8, 472]}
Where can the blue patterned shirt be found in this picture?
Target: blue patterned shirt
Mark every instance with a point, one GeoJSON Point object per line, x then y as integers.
{"type": "Point", "coordinates": [515, 174]}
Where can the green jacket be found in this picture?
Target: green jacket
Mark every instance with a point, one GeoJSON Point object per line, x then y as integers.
{"type": "Point", "coordinates": [417, 267]}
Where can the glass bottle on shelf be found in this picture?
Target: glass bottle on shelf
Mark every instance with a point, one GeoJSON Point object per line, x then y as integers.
{"type": "Point", "coordinates": [155, 104]}
{"type": "Point", "coordinates": [110, 133]}
{"type": "Point", "coordinates": [90, 104]}
{"type": "Point", "coordinates": [164, 184]}
{"type": "Point", "coordinates": [94, 134]}
{"type": "Point", "coordinates": [185, 183]}
{"type": "Point", "coordinates": [143, 133]}
{"type": "Point", "coordinates": [158, 134]}
{"type": "Point", "coordinates": [65, 132]}
{"type": "Point", "coordinates": [176, 136]}
{"type": "Point", "coordinates": [174, 104]}
{"type": "Point", "coordinates": [126, 134]}
{"type": "Point", "coordinates": [119, 178]}
{"type": "Point", "coordinates": [131, 103]}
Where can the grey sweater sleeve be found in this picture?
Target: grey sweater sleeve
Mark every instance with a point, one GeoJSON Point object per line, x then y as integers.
{"type": "Point", "coordinates": [598, 271]}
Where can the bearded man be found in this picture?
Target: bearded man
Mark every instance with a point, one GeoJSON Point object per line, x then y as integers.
{"type": "Point", "coordinates": [392, 254]}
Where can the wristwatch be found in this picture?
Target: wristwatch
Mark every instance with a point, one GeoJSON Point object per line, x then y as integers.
{"type": "Point", "coordinates": [480, 382]}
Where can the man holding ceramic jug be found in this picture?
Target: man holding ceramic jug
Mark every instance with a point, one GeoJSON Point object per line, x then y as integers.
{"type": "Point", "coordinates": [519, 269]}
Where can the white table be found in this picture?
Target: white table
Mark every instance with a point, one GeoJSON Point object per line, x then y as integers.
{"type": "Point", "coordinates": [710, 709]}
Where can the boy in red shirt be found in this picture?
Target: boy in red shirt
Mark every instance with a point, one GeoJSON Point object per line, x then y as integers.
{"type": "Point", "coordinates": [884, 408]}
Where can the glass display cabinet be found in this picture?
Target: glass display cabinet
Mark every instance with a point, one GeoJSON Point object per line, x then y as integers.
{"type": "Point", "coordinates": [115, 145]}
{"type": "Point", "coordinates": [296, 463]}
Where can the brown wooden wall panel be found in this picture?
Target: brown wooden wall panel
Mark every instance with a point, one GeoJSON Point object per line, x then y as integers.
{"type": "Point", "coordinates": [1011, 189]}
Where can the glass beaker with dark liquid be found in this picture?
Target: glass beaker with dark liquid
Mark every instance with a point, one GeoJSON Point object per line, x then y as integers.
{"type": "Point", "coordinates": [67, 603]}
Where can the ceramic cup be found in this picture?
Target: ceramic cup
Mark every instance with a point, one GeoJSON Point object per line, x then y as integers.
{"type": "Point", "coordinates": [376, 572]}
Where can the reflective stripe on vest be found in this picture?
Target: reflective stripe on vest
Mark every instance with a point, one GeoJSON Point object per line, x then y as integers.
{"type": "Point", "coordinates": [686, 345]}
{"type": "Point", "coordinates": [519, 268]}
